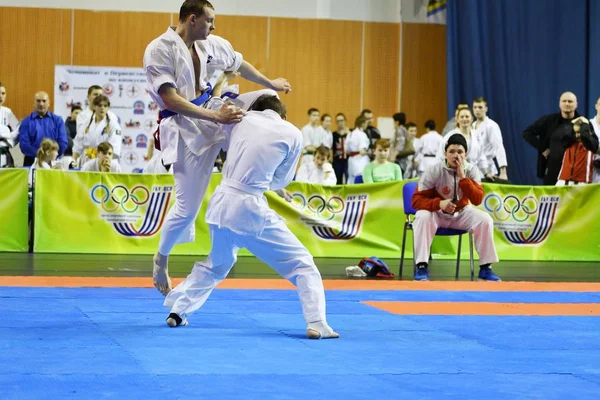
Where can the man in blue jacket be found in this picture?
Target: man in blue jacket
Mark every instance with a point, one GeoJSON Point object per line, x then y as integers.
{"type": "Point", "coordinates": [40, 124]}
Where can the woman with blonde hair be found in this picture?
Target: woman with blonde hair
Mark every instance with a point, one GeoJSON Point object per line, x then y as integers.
{"type": "Point", "coordinates": [100, 128]}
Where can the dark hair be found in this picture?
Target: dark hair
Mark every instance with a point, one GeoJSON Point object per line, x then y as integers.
{"type": "Point", "coordinates": [269, 102]}
{"type": "Point", "coordinates": [457, 139]}
{"type": "Point", "coordinates": [325, 116]}
{"type": "Point", "coordinates": [430, 124]}
{"type": "Point", "coordinates": [411, 125]}
{"type": "Point", "coordinates": [94, 87]}
{"type": "Point", "coordinates": [342, 114]}
{"type": "Point", "coordinates": [2, 84]}
{"type": "Point", "coordinates": [365, 111]}
{"type": "Point", "coordinates": [480, 99]}
{"type": "Point", "coordinates": [193, 7]}
{"type": "Point", "coordinates": [312, 110]}
{"type": "Point", "coordinates": [75, 108]}
{"type": "Point", "coordinates": [104, 147]}
{"type": "Point", "coordinates": [461, 104]}
{"type": "Point", "coordinates": [360, 120]}
{"type": "Point", "coordinates": [322, 150]}
{"type": "Point", "coordinates": [400, 118]}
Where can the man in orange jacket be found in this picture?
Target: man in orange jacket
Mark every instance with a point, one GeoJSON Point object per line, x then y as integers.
{"type": "Point", "coordinates": [444, 199]}
{"type": "Point", "coordinates": [578, 161]}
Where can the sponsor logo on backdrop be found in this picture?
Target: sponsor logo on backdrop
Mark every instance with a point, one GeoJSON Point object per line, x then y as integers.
{"type": "Point", "coordinates": [133, 91]}
{"type": "Point", "coordinates": [132, 124]}
{"type": "Point", "coordinates": [332, 218]}
{"type": "Point", "coordinates": [153, 106]}
{"type": "Point", "coordinates": [524, 221]}
{"type": "Point", "coordinates": [127, 141]}
{"type": "Point", "coordinates": [131, 158]}
{"type": "Point", "coordinates": [138, 107]}
{"type": "Point", "coordinates": [141, 141]}
{"type": "Point", "coordinates": [135, 211]}
{"type": "Point", "coordinates": [108, 89]}
{"type": "Point", "coordinates": [63, 87]}
{"type": "Point", "coordinates": [73, 103]}
{"type": "Point", "coordinates": [149, 124]}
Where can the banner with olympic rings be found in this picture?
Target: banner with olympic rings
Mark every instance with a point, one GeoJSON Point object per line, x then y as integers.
{"type": "Point", "coordinates": [79, 212]}
{"type": "Point", "coordinates": [14, 225]}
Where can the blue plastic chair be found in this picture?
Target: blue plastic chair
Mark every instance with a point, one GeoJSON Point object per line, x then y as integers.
{"type": "Point", "coordinates": [407, 193]}
{"type": "Point", "coordinates": [358, 179]}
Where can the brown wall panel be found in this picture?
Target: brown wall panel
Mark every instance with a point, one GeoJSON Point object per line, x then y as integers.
{"type": "Point", "coordinates": [116, 39]}
{"type": "Point", "coordinates": [382, 56]}
{"type": "Point", "coordinates": [424, 74]}
{"type": "Point", "coordinates": [321, 59]}
{"type": "Point", "coordinates": [32, 41]}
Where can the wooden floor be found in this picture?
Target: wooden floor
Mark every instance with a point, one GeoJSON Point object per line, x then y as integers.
{"type": "Point", "coordinates": [96, 265]}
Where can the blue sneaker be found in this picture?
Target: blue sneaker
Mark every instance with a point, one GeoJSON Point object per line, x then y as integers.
{"type": "Point", "coordinates": [486, 274]}
{"type": "Point", "coordinates": [422, 273]}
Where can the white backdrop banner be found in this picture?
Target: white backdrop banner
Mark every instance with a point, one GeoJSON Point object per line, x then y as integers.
{"type": "Point", "coordinates": [129, 100]}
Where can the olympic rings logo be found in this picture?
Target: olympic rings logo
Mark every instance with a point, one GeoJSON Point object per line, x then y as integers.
{"type": "Point", "coordinates": [128, 200]}
{"type": "Point", "coordinates": [502, 209]}
{"type": "Point", "coordinates": [317, 205]}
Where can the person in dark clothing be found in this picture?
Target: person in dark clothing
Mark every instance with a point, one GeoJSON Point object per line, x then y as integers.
{"type": "Point", "coordinates": [546, 136]}
{"type": "Point", "coordinates": [372, 132]}
{"type": "Point", "coordinates": [71, 127]}
{"type": "Point", "coordinates": [340, 158]}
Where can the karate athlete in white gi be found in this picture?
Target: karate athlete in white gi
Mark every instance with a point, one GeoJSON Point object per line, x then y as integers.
{"type": "Point", "coordinates": [429, 145]}
{"type": "Point", "coordinates": [239, 217]}
{"type": "Point", "coordinates": [490, 136]}
{"type": "Point", "coordinates": [178, 66]}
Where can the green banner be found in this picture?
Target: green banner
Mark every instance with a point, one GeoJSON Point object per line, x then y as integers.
{"type": "Point", "coordinates": [14, 220]}
{"type": "Point", "coordinates": [120, 213]}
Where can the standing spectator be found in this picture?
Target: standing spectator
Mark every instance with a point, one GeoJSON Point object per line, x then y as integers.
{"type": "Point", "coordinates": [357, 148]}
{"type": "Point", "coordinates": [412, 142]}
{"type": "Point", "coordinates": [382, 170]}
{"type": "Point", "coordinates": [326, 126]}
{"type": "Point", "coordinates": [101, 128]}
{"type": "Point", "coordinates": [312, 136]}
{"type": "Point", "coordinates": [429, 144]}
{"type": "Point", "coordinates": [340, 160]}
{"type": "Point", "coordinates": [8, 131]}
{"type": "Point", "coordinates": [40, 124]}
{"type": "Point", "coordinates": [403, 147]}
{"type": "Point", "coordinates": [546, 136]}
{"type": "Point", "coordinates": [71, 128]}
{"type": "Point", "coordinates": [490, 137]}
{"type": "Point", "coordinates": [578, 162]}
{"type": "Point", "coordinates": [372, 132]}
{"type": "Point", "coordinates": [85, 117]}
{"type": "Point", "coordinates": [320, 171]}
{"type": "Point", "coordinates": [451, 124]}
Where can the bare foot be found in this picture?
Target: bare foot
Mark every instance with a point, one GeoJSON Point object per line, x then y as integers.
{"type": "Point", "coordinates": [160, 274]}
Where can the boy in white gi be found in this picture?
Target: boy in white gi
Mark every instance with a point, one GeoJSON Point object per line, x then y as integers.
{"type": "Point", "coordinates": [443, 200]}
{"type": "Point", "coordinates": [239, 217]}
{"type": "Point", "coordinates": [319, 171]}
{"type": "Point", "coordinates": [178, 66]}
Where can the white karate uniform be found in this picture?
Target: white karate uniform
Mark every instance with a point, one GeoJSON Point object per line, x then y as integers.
{"type": "Point", "coordinates": [309, 173]}
{"type": "Point", "coordinates": [313, 136]}
{"type": "Point", "coordinates": [93, 166]}
{"type": "Point", "coordinates": [96, 134]}
{"type": "Point", "coordinates": [239, 217]}
{"type": "Point", "coordinates": [596, 125]}
{"type": "Point", "coordinates": [85, 117]}
{"type": "Point", "coordinates": [190, 145]}
{"type": "Point", "coordinates": [328, 142]}
{"type": "Point", "coordinates": [155, 165]}
{"type": "Point", "coordinates": [9, 132]}
{"type": "Point", "coordinates": [429, 145]}
{"type": "Point", "coordinates": [443, 180]}
{"type": "Point", "coordinates": [475, 154]}
{"type": "Point", "coordinates": [357, 140]}
{"type": "Point", "coordinates": [490, 137]}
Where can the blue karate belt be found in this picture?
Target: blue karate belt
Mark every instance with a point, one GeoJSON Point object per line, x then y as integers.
{"type": "Point", "coordinates": [197, 101]}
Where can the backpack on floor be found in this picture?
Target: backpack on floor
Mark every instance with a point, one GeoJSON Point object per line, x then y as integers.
{"type": "Point", "coordinates": [375, 267]}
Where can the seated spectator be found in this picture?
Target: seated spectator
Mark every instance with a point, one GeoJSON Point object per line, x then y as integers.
{"type": "Point", "coordinates": [578, 162]}
{"type": "Point", "coordinates": [100, 128]}
{"type": "Point", "coordinates": [357, 149]}
{"type": "Point", "coordinates": [104, 161]}
{"type": "Point", "coordinates": [45, 159]}
{"type": "Point", "coordinates": [40, 124]}
{"type": "Point", "coordinates": [382, 170]}
{"type": "Point", "coordinates": [320, 171]}
{"type": "Point", "coordinates": [444, 199]}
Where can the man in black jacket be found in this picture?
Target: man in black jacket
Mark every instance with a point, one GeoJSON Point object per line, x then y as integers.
{"type": "Point", "coordinates": [546, 135]}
